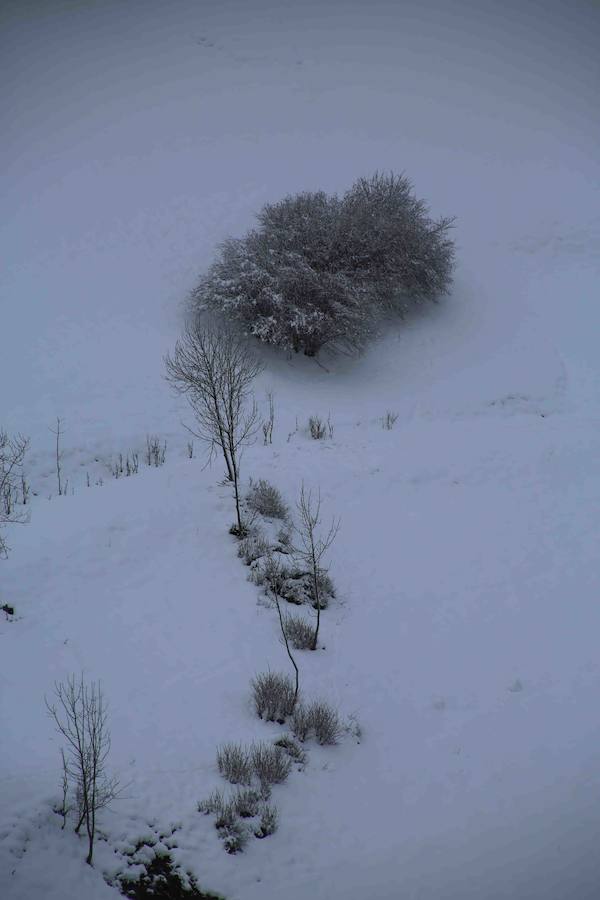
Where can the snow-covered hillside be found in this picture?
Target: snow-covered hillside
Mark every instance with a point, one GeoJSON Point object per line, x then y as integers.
{"type": "Point", "coordinates": [464, 633]}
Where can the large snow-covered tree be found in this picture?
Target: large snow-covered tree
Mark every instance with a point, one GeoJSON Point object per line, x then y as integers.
{"type": "Point", "coordinates": [317, 270]}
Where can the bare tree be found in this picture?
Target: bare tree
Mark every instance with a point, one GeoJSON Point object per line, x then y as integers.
{"type": "Point", "coordinates": [214, 369]}
{"type": "Point", "coordinates": [267, 425]}
{"type": "Point", "coordinates": [12, 454]}
{"type": "Point", "coordinates": [58, 434]}
{"type": "Point", "coordinates": [81, 717]}
{"type": "Point", "coordinates": [310, 547]}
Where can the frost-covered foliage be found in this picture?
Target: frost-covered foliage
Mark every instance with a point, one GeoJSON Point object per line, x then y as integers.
{"type": "Point", "coordinates": [268, 821]}
{"type": "Point", "coordinates": [264, 498]}
{"type": "Point", "coordinates": [159, 877]}
{"type": "Point", "coordinates": [233, 816]}
{"type": "Point", "coordinates": [318, 268]}
{"type": "Point", "coordinates": [252, 547]}
{"type": "Point", "coordinates": [299, 588]}
{"type": "Point", "coordinates": [293, 750]}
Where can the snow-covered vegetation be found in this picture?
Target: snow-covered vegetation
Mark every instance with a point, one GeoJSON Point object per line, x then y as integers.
{"type": "Point", "coordinates": [441, 742]}
{"type": "Point", "coordinates": [319, 270]}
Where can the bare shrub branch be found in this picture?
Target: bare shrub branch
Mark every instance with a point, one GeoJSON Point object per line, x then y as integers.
{"type": "Point", "coordinates": [389, 420]}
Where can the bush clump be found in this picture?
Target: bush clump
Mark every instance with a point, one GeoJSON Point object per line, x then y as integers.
{"type": "Point", "coordinates": [233, 762]}
{"type": "Point", "coordinates": [269, 763]}
{"type": "Point", "coordinates": [252, 547]}
{"type": "Point", "coordinates": [268, 821]}
{"type": "Point", "coordinates": [321, 270]}
{"type": "Point", "coordinates": [325, 722]}
{"type": "Point", "coordinates": [274, 696]}
{"type": "Point", "coordinates": [234, 835]}
{"type": "Point", "coordinates": [297, 586]}
{"type": "Point", "coordinates": [160, 878]}
{"type": "Point", "coordinates": [247, 802]}
{"type": "Point", "coordinates": [299, 632]}
{"type": "Point", "coordinates": [266, 500]}
{"type": "Point", "coordinates": [293, 750]}
{"type": "Point", "coordinates": [213, 804]}
{"type": "Point", "coordinates": [318, 718]}
{"type": "Point", "coordinates": [317, 428]}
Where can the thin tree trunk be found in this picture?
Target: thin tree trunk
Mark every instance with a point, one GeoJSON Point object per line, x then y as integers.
{"type": "Point", "coordinates": [318, 602]}
{"type": "Point", "coordinates": [289, 652]}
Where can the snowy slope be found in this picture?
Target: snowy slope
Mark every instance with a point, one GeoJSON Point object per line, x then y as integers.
{"type": "Point", "coordinates": [464, 637]}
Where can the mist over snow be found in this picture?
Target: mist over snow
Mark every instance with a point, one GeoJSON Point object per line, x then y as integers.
{"type": "Point", "coordinates": [136, 136]}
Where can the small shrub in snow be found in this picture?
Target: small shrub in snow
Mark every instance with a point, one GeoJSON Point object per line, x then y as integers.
{"type": "Point", "coordinates": [317, 428]}
{"type": "Point", "coordinates": [268, 821]}
{"type": "Point", "coordinates": [275, 574]}
{"type": "Point", "coordinates": [300, 722]}
{"type": "Point", "coordinates": [293, 750]}
{"type": "Point", "coordinates": [269, 763]}
{"type": "Point", "coordinates": [233, 761]}
{"type": "Point", "coordinates": [297, 586]}
{"type": "Point", "coordinates": [319, 718]}
{"type": "Point", "coordinates": [226, 815]}
{"type": "Point", "coordinates": [257, 575]}
{"type": "Point", "coordinates": [247, 802]}
{"type": "Point", "coordinates": [299, 632]}
{"type": "Point", "coordinates": [325, 588]}
{"type": "Point", "coordinates": [125, 467]}
{"type": "Point", "coordinates": [284, 539]}
{"type": "Point", "coordinates": [253, 547]}
{"type": "Point", "coordinates": [267, 425]}
{"type": "Point", "coordinates": [354, 728]}
{"type": "Point", "coordinates": [160, 878]}
{"type": "Point", "coordinates": [265, 499]}
{"type": "Point", "coordinates": [213, 804]}
{"type": "Point", "coordinates": [243, 529]}
{"type": "Point", "coordinates": [155, 450]}
{"type": "Point", "coordinates": [234, 836]}
{"type": "Point", "coordinates": [389, 420]}
{"type": "Point", "coordinates": [325, 722]}
{"type": "Point", "coordinates": [274, 696]}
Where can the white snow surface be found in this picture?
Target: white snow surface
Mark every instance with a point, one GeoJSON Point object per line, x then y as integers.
{"type": "Point", "coordinates": [464, 634]}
